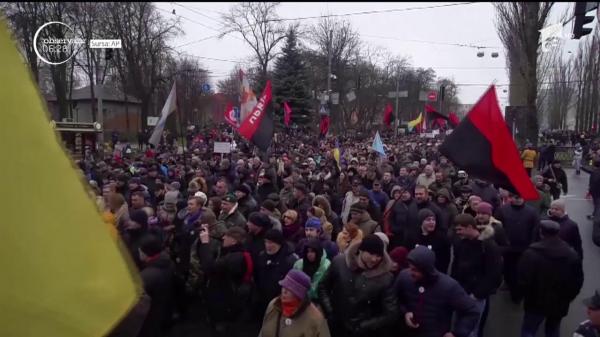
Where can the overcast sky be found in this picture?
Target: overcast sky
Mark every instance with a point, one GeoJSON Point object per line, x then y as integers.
{"type": "Point", "coordinates": [434, 27]}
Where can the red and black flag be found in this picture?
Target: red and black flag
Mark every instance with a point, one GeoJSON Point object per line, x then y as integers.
{"type": "Point", "coordinates": [387, 115]}
{"type": "Point", "coordinates": [258, 125]}
{"type": "Point", "coordinates": [435, 118]}
{"type": "Point", "coordinates": [482, 145]}
{"type": "Point", "coordinates": [453, 119]}
{"type": "Point", "coordinates": [324, 125]}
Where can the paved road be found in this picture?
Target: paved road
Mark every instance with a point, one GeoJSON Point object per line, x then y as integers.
{"type": "Point", "coordinates": [505, 317]}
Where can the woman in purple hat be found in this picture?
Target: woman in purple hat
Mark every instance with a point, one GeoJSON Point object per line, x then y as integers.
{"type": "Point", "coordinates": [292, 313]}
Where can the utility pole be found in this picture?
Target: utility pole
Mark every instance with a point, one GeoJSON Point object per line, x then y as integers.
{"type": "Point", "coordinates": [397, 121]}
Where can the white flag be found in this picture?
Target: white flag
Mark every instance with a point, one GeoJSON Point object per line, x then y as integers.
{"type": "Point", "coordinates": [247, 98]}
{"type": "Point", "coordinates": [168, 108]}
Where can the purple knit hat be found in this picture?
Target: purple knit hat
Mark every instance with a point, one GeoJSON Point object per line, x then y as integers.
{"type": "Point", "coordinates": [297, 282]}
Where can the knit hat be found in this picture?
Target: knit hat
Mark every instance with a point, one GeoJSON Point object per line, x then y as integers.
{"type": "Point", "coordinates": [150, 245]}
{"type": "Point", "coordinates": [269, 205]}
{"type": "Point", "coordinates": [550, 226]}
{"type": "Point", "coordinates": [244, 188]}
{"type": "Point", "coordinates": [236, 233]}
{"type": "Point", "coordinates": [424, 214]}
{"type": "Point", "coordinates": [372, 244]}
{"type": "Point", "coordinates": [484, 208]}
{"type": "Point", "coordinates": [296, 282]}
{"type": "Point", "coordinates": [170, 203]}
{"type": "Point", "coordinates": [301, 187]}
{"type": "Point", "coordinates": [398, 255]}
{"type": "Point", "coordinates": [275, 236]}
{"type": "Point", "coordinates": [363, 193]}
{"type": "Point", "coordinates": [384, 238]}
{"type": "Point", "coordinates": [260, 220]}
{"type": "Point", "coordinates": [314, 222]}
{"type": "Point", "coordinates": [140, 217]}
{"type": "Point", "coordinates": [230, 197]}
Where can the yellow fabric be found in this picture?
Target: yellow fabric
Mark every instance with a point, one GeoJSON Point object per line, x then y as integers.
{"type": "Point", "coordinates": [415, 122]}
{"type": "Point", "coordinates": [336, 155]}
{"type": "Point", "coordinates": [528, 157]}
{"type": "Point", "coordinates": [62, 273]}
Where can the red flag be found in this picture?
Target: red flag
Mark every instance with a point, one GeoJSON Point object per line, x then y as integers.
{"type": "Point", "coordinates": [258, 125]}
{"type": "Point", "coordinates": [287, 114]}
{"type": "Point", "coordinates": [324, 127]}
{"type": "Point", "coordinates": [229, 115]}
{"type": "Point", "coordinates": [481, 145]}
{"type": "Point", "coordinates": [453, 119]}
{"type": "Point", "coordinates": [387, 115]}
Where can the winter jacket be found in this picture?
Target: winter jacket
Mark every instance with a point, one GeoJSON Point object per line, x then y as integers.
{"type": "Point", "coordinates": [499, 235]}
{"type": "Point", "coordinates": [380, 198]}
{"type": "Point", "coordinates": [247, 205]}
{"type": "Point", "coordinates": [477, 264]}
{"type": "Point", "coordinates": [158, 277]}
{"type": "Point", "coordinates": [448, 211]}
{"type": "Point", "coordinates": [357, 300]}
{"type": "Point", "coordinates": [594, 184]}
{"type": "Point", "coordinates": [437, 241]}
{"type": "Point", "coordinates": [349, 200]}
{"type": "Point", "coordinates": [569, 232]}
{"type": "Point", "coordinates": [233, 218]}
{"type": "Point", "coordinates": [317, 277]}
{"type": "Point", "coordinates": [587, 329]}
{"type": "Point", "coordinates": [255, 244]}
{"type": "Point", "coordinates": [368, 225]}
{"type": "Point", "coordinates": [308, 321]}
{"type": "Point", "coordinates": [413, 218]}
{"type": "Point", "coordinates": [559, 177]}
{"type": "Point", "coordinates": [528, 157]}
{"type": "Point", "coordinates": [301, 206]}
{"type": "Point", "coordinates": [268, 271]}
{"type": "Point", "coordinates": [520, 224]}
{"type": "Point", "coordinates": [344, 241]}
{"type": "Point", "coordinates": [395, 219]}
{"type": "Point", "coordinates": [550, 276]}
{"type": "Point", "coordinates": [263, 191]}
{"type": "Point", "coordinates": [542, 205]}
{"type": "Point", "coordinates": [229, 281]}
{"type": "Point", "coordinates": [423, 180]}
{"type": "Point", "coordinates": [433, 300]}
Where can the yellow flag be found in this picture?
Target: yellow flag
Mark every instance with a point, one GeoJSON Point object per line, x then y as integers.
{"type": "Point", "coordinates": [415, 122]}
{"type": "Point", "coordinates": [62, 273]}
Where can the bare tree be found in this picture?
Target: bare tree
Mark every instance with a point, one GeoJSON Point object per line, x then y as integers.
{"type": "Point", "coordinates": [230, 86]}
{"type": "Point", "coordinates": [587, 80]}
{"type": "Point", "coordinates": [144, 54]}
{"type": "Point", "coordinates": [261, 29]}
{"type": "Point", "coordinates": [518, 25]}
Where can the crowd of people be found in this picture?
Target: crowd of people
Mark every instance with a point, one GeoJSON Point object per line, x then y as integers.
{"type": "Point", "coordinates": [296, 243]}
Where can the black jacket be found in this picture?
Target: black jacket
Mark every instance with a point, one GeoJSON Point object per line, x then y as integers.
{"type": "Point", "coordinates": [229, 285]}
{"type": "Point", "coordinates": [247, 205]}
{"type": "Point", "coordinates": [594, 185]}
{"type": "Point", "coordinates": [432, 308]}
{"type": "Point", "coordinates": [569, 232]}
{"type": "Point", "coordinates": [269, 270]}
{"type": "Point", "coordinates": [486, 192]}
{"type": "Point", "coordinates": [437, 241]}
{"type": "Point", "coordinates": [158, 280]}
{"type": "Point", "coordinates": [477, 265]}
{"type": "Point", "coordinates": [550, 277]}
{"type": "Point", "coordinates": [355, 300]}
{"type": "Point", "coordinates": [263, 191]}
{"type": "Point", "coordinates": [561, 177]}
{"type": "Point", "coordinates": [520, 224]}
{"type": "Point", "coordinates": [413, 215]}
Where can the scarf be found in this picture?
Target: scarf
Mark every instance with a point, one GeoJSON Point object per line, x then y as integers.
{"type": "Point", "coordinates": [289, 308]}
{"type": "Point", "coordinates": [291, 230]}
{"type": "Point", "coordinates": [190, 220]}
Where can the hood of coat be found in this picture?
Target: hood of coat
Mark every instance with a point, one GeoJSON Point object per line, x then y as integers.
{"type": "Point", "coordinates": [424, 259]}
{"type": "Point", "coordinates": [486, 232]}
{"type": "Point", "coordinates": [352, 257]}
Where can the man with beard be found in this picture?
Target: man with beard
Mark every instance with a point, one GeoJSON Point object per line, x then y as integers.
{"type": "Point", "coordinates": [355, 292]}
{"type": "Point", "coordinates": [543, 203]}
{"type": "Point", "coordinates": [422, 200]}
{"type": "Point", "coordinates": [265, 187]}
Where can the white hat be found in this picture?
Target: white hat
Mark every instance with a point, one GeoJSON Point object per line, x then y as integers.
{"type": "Point", "coordinates": [202, 196]}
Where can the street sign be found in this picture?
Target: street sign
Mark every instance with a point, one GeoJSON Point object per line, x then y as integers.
{"type": "Point", "coordinates": [206, 88]}
{"type": "Point", "coordinates": [323, 111]}
{"type": "Point", "coordinates": [222, 147]}
{"type": "Point", "coordinates": [401, 94]}
{"type": "Point", "coordinates": [428, 96]}
{"type": "Point", "coordinates": [236, 113]}
{"type": "Point", "coordinates": [335, 98]}
{"type": "Point", "coordinates": [152, 121]}
{"type": "Point", "coordinates": [351, 96]}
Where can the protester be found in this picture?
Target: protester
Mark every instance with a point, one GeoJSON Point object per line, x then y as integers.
{"type": "Point", "coordinates": [550, 276]}
{"type": "Point", "coordinates": [591, 327]}
{"type": "Point", "coordinates": [292, 313]}
{"type": "Point", "coordinates": [556, 178]}
{"type": "Point", "coordinates": [428, 299]}
{"type": "Point", "coordinates": [355, 292]}
{"type": "Point", "coordinates": [432, 237]}
{"type": "Point", "coordinates": [314, 263]}
{"type": "Point", "coordinates": [350, 235]}
{"type": "Point", "coordinates": [569, 230]}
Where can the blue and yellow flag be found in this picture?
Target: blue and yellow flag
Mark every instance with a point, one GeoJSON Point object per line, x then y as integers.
{"type": "Point", "coordinates": [62, 273]}
{"type": "Point", "coordinates": [415, 122]}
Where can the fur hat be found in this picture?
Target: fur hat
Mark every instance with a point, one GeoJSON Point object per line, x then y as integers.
{"type": "Point", "coordinates": [275, 236]}
{"type": "Point", "coordinates": [372, 244]}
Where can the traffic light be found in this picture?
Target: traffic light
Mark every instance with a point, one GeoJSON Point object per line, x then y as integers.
{"type": "Point", "coordinates": [442, 93]}
{"type": "Point", "coordinates": [581, 8]}
{"type": "Point", "coordinates": [108, 54]}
